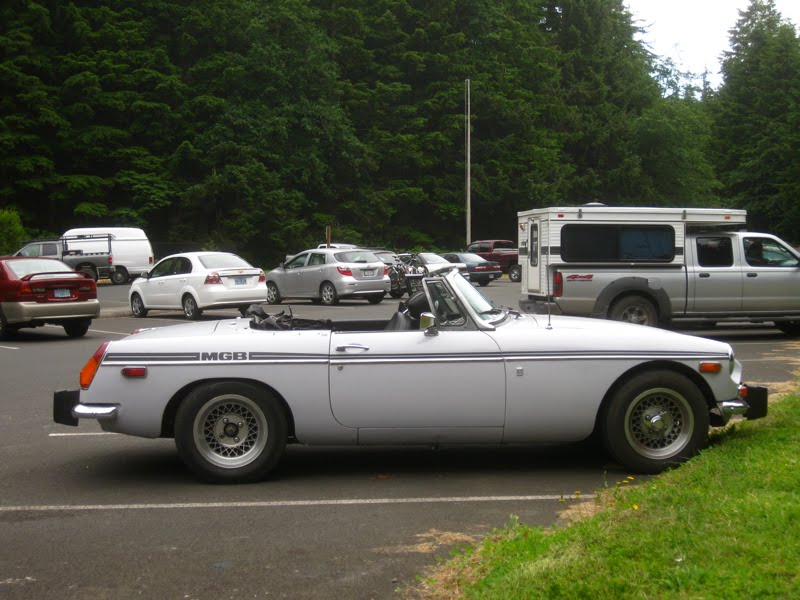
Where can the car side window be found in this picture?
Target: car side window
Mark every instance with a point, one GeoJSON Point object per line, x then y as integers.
{"type": "Point", "coordinates": [714, 252]}
{"type": "Point", "coordinates": [473, 248]}
{"type": "Point", "coordinates": [184, 266]}
{"type": "Point", "coordinates": [31, 250]}
{"type": "Point", "coordinates": [297, 261]}
{"type": "Point", "coordinates": [165, 267]}
{"type": "Point", "coordinates": [50, 249]}
{"type": "Point", "coordinates": [316, 259]}
{"type": "Point", "coordinates": [451, 257]}
{"type": "Point", "coordinates": [765, 252]}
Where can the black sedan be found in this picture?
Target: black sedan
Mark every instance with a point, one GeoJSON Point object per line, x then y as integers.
{"type": "Point", "coordinates": [481, 271]}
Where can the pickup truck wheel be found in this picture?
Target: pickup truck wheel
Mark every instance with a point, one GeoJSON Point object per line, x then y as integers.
{"type": "Point", "coordinates": [76, 329]}
{"type": "Point", "coordinates": [328, 294]}
{"type": "Point", "coordinates": [655, 420]}
{"type": "Point", "coordinates": [190, 308]}
{"type": "Point", "coordinates": [634, 309]}
{"type": "Point", "coordinates": [273, 295]}
{"type": "Point", "coordinates": [791, 328]}
{"type": "Point", "coordinates": [230, 432]}
{"type": "Point", "coordinates": [515, 273]}
{"type": "Point", "coordinates": [89, 270]}
{"type": "Point", "coordinates": [120, 276]}
{"type": "Point", "coordinates": [137, 307]}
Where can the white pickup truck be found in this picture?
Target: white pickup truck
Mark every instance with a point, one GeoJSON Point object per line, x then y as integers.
{"type": "Point", "coordinates": [655, 266]}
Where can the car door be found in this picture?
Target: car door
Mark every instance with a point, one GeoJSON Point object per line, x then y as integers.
{"type": "Point", "coordinates": [310, 276]}
{"type": "Point", "coordinates": [771, 276]}
{"type": "Point", "coordinates": [418, 386]}
{"type": "Point", "coordinates": [153, 289]}
{"type": "Point", "coordinates": [290, 284]}
{"type": "Point", "coordinates": [173, 283]}
{"type": "Point", "coordinates": [716, 279]}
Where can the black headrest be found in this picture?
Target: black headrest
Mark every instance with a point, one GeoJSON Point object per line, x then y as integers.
{"type": "Point", "coordinates": [418, 304]}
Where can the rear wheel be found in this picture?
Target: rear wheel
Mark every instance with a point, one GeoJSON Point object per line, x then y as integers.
{"type": "Point", "coordinates": [375, 298]}
{"type": "Point", "coordinates": [328, 294]}
{"type": "Point", "coordinates": [76, 329]}
{"type": "Point", "coordinates": [515, 273]}
{"type": "Point", "coordinates": [230, 432]}
{"type": "Point", "coordinates": [120, 276]}
{"type": "Point", "coordinates": [273, 295]}
{"type": "Point", "coordinates": [791, 328]}
{"type": "Point", "coordinates": [6, 330]}
{"type": "Point", "coordinates": [137, 306]}
{"type": "Point", "coordinates": [89, 270]}
{"type": "Point", "coordinates": [397, 293]}
{"type": "Point", "coordinates": [190, 308]}
{"type": "Point", "coordinates": [655, 420]}
{"type": "Point", "coordinates": [634, 309]}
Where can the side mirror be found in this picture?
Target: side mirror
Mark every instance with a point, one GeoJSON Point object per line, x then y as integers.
{"type": "Point", "coordinates": [145, 275]}
{"type": "Point", "coordinates": [427, 322]}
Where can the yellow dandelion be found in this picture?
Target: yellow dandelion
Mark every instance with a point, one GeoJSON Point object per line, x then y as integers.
{"type": "Point", "coordinates": [635, 507]}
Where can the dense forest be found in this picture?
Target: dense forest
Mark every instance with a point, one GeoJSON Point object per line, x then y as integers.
{"type": "Point", "coordinates": [251, 125]}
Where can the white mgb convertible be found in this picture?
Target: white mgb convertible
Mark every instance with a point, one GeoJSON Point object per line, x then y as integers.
{"type": "Point", "coordinates": [447, 368]}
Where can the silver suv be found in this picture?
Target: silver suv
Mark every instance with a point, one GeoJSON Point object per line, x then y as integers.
{"type": "Point", "coordinates": [328, 274]}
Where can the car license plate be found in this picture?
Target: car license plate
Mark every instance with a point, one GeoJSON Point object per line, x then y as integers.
{"type": "Point", "coordinates": [61, 293]}
{"type": "Point", "coordinates": [240, 280]}
{"type": "Point", "coordinates": [369, 272]}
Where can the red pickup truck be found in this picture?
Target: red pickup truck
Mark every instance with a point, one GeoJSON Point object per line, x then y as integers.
{"type": "Point", "coordinates": [503, 251]}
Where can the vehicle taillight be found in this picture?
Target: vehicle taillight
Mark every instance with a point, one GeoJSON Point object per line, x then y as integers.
{"type": "Point", "coordinates": [150, 260]}
{"type": "Point", "coordinates": [558, 284]}
{"type": "Point", "coordinates": [91, 366]}
{"type": "Point", "coordinates": [110, 260]}
{"type": "Point", "coordinates": [386, 270]}
{"type": "Point", "coordinates": [212, 278]}
{"type": "Point", "coordinates": [345, 271]}
{"type": "Point", "coordinates": [262, 278]}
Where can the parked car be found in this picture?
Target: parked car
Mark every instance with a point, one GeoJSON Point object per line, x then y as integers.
{"type": "Point", "coordinates": [328, 274]}
{"type": "Point", "coordinates": [198, 281]}
{"type": "Point", "coordinates": [40, 291]}
{"type": "Point", "coordinates": [481, 271]}
{"type": "Point", "coordinates": [503, 251]}
{"type": "Point", "coordinates": [421, 264]}
{"type": "Point", "coordinates": [447, 367]}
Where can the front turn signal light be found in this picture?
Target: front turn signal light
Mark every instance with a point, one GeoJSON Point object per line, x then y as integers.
{"type": "Point", "coordinates": [710, 367]}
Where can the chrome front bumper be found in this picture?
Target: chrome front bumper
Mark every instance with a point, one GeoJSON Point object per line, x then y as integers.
{"type": "Point", "coordinates": [751, 403]}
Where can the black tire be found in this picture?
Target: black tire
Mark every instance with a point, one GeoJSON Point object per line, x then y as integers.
{"type": "Point", "coordinates": [230, 432]}
{"type": "Point", "coordinates": [137, 307]}
{"type": "Point", "coordinates": [483, 282]}
{"type": "Point", "coordinates": [120, 276]}
{"type": "Point", "coordinates": [75, 329]}
{"type": "Point", "coordinates": [190, 308]}
{"type": "Point", "coordinates": [634, 309]}
{"type": "Point", "coordinates": [790, 328]}
{"type": "Point", "coordinates": [89, 270]}
{"type": "Point", "coordinates": [327, 292]}
{"type": "Point", "coordinates": [397, 293]}
{"type": "Point", "coordinates": [515, 273]}
{"type": "Point", "coordinates": [375, 298]}
{"type": "Point", "coordinates": [6, 331]}
{"type": "Point", "coordinates": [273, 294]}
{"type": "Point", "coordinates": [656, 420]}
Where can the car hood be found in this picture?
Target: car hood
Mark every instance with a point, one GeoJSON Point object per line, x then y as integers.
{"type": "Point", "coordinates": [600, 336]}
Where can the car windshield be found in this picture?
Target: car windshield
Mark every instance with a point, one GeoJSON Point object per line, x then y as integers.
{"type": "Point", "coordinates": [21, 268]}
{"type": "Point", "coordinates": [224, 261]}
{"type": "Point", "coordinates": [356, 256]}
{"type": "Point", "coordinates": [479, 303]}
{"type": "Point", "coordinates": [430, 258]}
{"type": "Point", "coordinates": [387, 258]}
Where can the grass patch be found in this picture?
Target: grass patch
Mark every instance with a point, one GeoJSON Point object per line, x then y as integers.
{"type": "Point", "coordinates": [724, 525]}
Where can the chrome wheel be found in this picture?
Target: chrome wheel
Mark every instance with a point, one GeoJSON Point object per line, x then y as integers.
{"type": "Point", "coordinates": [190, 308]}
{"type": "Point", "coordinates": [328, 294]}
{"type": "Point", "coordinates": [137, 306]}
{"type": "Point", "coordinates": [659, 423]}
{"type": "Point", "coordinates": [230, 431]}
{"type": "Point", "coordinates": [273, 295]}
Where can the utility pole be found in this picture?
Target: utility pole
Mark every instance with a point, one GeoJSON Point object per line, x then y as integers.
{"type": "Point", "coordinates": [469, 166]}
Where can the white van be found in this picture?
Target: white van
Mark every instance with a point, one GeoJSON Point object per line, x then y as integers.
{"type": "Point", "coordinates": [131, 251]}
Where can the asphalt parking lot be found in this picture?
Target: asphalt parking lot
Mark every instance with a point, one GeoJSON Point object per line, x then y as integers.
{"type": "Point", "coordinates": [86, 514]}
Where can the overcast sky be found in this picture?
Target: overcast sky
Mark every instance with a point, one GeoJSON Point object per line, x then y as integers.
{"type": "Point", "coordinates": [694, 33]}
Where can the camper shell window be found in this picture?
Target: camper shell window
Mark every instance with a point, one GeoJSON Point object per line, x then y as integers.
{"type": "Point", "coordinates": [617, 243]}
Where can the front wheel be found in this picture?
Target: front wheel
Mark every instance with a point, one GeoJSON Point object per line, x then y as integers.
{"type": "Point", "coordinates": [230, 432]}
{"type": "Point", "coordinates": [515, 273]}
{"type": "Point", "coordinates": [76, 329]}
{"type": "Point", "coordinates": [190, 308]}
{"type": "Point", "coordinates": [655, 420]}
{"type": "Point", "coordinates": [634, 309]}
{"type": "Point", "coordinates": [273, 295]}
{"type": "Point", "coordinates": [137, 307]}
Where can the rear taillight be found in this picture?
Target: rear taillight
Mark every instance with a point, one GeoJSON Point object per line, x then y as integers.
{"type": "Point", "coordinates": [558, 284]}
{"type": "Point", "coordinates": [212, 278]}
{"type": "Point", "coordinates": [386, 270]}
{"type": "Point", "coordinates": [110, 260]}
{"type": "Point", "coordinates": [91, 366]}
{"type": "Point", "coordinates": [150, 260]}
{"type": "Point", "coordinates": [261, 277]}
{"type": "Point", "coordinates": [345, 271]}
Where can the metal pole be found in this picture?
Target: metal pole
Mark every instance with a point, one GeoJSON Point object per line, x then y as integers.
{"type": "Point", "coordinates": [469, 166]}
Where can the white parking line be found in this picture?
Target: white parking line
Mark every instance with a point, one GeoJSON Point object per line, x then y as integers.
{"type": "Point", "coordinates": [9, 347]}
{"type": "Point", "coordinates": [81, 434]}
{"type": "Point", "coordinates": [289, 503]}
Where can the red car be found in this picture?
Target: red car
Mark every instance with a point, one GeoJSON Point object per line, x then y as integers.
{"type": "Point", "coordinates": [35, 291]}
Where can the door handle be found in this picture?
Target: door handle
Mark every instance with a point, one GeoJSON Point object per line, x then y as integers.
{"type": "Point", "coordinates": [705, 275]}
{"type": "Point", "coordinates": [752, 274]}
{"type": "Point", "coordinates": [352, 348]}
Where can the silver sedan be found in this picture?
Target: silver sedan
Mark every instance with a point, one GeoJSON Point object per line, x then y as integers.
{"type": "Point", "coordinates": [328, 274]}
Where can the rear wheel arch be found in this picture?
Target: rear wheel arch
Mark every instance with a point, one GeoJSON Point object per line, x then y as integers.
{"type": "Point", "coordinates": [168, 418]}
{"type": "Point", "coordinates": [633, 286]}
